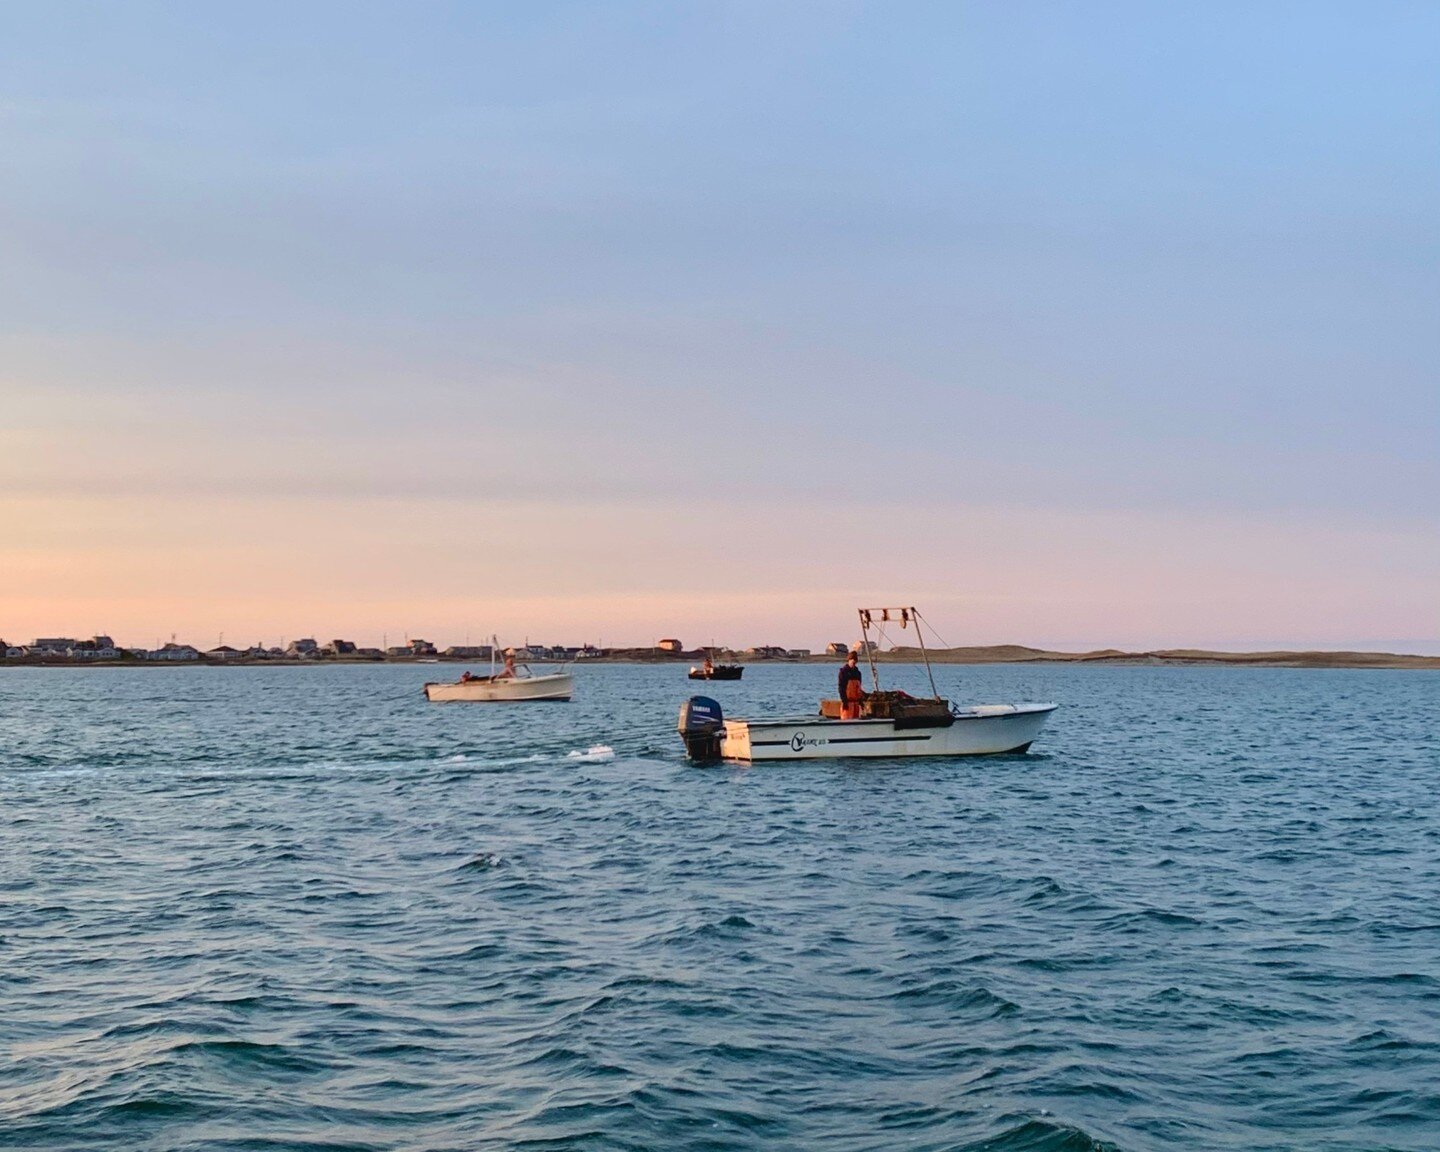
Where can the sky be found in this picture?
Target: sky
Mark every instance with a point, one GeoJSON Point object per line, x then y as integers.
{"type": "Point", "coordinates": [1077, 325]}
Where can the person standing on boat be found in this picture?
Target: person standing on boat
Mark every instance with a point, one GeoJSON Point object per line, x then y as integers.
{"type": "Point", "coordinates": [508, 672]}
{"type": "Point", "coordinates": [851, 690]}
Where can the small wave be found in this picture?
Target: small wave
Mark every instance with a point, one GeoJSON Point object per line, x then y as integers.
{"type": "Point", "coordinates": [729, 927]}
{"type": "Point", "coordinates": [169, 1106]}
{"type": "Point", "coordinates": [1050, 894]}
{"type": "Point", "coordinates": [484, 862]}
{"type": "Point", "coordinates": [593, 754]}
{"type": "Point", "coordinates": [248, 1053]}
{"type": "Point", "coordinates": [485, 951]}
{"type": "Point", "coordinates": [1383, 1041]}
{"type": "Point", "coordinates": [1148, 917]}
{"type": "Point", "coordinates": [957, 997]}
{"type": "Point", "coordinates": [1042, 1136]}
{"type": "Point", "coordinates": [644, 981]}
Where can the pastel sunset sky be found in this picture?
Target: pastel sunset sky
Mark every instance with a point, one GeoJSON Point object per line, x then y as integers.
{"type": "Point", "coordinates": [1077, 325]}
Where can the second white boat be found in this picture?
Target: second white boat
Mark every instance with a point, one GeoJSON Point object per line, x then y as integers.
{"type": "Point", "coordinates": [557, 686]}
{"type": "Point", "coordinates": [514, 683]}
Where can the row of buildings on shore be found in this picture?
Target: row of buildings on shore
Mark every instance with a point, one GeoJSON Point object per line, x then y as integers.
{"type": "Point", "coordinates": [103, 648]}
{"type": "Point", "coordinates": [64, 649]}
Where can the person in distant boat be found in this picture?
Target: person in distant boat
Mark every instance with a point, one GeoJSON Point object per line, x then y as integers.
{"type": "Point", "coordinates": [709, 666]}
{"type": "Point", "coordinates": [851, 691]}
{"type": "Point", "coordinates": [465, 677]}
{"type": "Point", "coordinates": [508, 672]}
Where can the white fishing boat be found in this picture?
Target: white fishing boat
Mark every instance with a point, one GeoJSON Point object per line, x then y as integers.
{"type": "Point", "coordinates": [982, 730]}
{"type": "Point", "coordinates": [555, 686]}
{"type": "Point", "coordinates": [882, 724]}
{"type": "Point", "coordinates": [512, 683]}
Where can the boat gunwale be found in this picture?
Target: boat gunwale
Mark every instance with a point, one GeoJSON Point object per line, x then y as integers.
{"type": "Point", "coordinates": [549, 677]}
{"type": "Point", "coordinates": [809, 721]}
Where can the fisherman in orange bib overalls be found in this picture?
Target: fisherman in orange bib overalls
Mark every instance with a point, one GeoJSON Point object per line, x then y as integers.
{"type": "Point", "coordinates": [851, 692]}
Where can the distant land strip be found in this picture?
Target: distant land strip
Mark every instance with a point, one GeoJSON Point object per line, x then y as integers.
{"type": "Point", "coordinates": [1018, 654]}
{"type": "Point", "coordinates": [981, 654]}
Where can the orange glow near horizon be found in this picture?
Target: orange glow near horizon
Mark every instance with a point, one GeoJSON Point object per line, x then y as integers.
{"type": "Point", "coordinates": [626, 574]}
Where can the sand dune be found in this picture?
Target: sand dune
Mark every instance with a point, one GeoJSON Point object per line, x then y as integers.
{"type": "Point", "coordinates": [1018, 653]}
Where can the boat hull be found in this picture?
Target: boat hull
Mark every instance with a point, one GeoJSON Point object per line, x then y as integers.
{"type": "Point", "coordinates": [984, 730]}
{"type": "Point", "coordinates": [523, 688]}
{"type": "Point", "coordinates": [721, 672]}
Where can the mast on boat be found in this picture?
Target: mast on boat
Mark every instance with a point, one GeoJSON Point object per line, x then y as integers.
{"type": "Point", "coordinates": [877, 618]}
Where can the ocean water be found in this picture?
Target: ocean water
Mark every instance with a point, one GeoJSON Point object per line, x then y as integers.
{"type": "Point", "coordinates": [302, 909]}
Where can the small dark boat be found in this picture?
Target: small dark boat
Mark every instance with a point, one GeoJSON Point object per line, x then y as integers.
{"type": "Point", "coordinates": [718, 672]}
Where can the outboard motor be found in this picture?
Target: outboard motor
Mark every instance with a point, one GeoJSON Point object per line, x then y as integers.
{"type": "Point", "coordinates": [701, 725]}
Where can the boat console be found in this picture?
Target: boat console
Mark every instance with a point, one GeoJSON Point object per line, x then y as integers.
{"type": "Point", "coordinates": [905, 710]}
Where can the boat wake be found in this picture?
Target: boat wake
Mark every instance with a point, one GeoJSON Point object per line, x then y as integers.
{"type": "Point", "coordinates": [594, 754]}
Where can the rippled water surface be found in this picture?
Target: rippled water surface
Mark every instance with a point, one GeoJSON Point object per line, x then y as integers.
{"type": "Point", "coordinates": [299, 908]}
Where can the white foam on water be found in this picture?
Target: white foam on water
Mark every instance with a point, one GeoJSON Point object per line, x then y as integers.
{"type": "Point", "coordinates": [594, 753]}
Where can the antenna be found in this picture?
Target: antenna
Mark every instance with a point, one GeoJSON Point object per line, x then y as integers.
{"type": "Point", "coordinates": [869, 651]}
{"type": "Point", "coordinates": [915, 615]}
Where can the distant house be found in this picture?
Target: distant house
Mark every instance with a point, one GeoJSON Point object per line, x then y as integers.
{"type": "Point", "coordinates": [468, 651]}
{"type": "Point", "coordinates": [837, 648]}
{"type": "Point", "coordinates": [798, 653]}
{"type": "Point", "coordinates": [339, 648]}
{"type": "Point", "coordinates": [94, 649]}
{"type": "Point", "coordinates": [135, 653]}
{"type": "Point", "coordinates": [224, 652]}
{"type": "Point", "coordinates": [65, 648]}
{"type": "Point", "coordinates": [766, 652]}
{"type": "Point", "coordinates": [670, 644]}
{"type": "Point", "coordinates": [528, 652]}
{"type": "Point", "coordinates": [411, 649]}
{"type": "Point", "coordinates": [257, 652]}
{"type": "Point", "coordinates": [173, 651]}
{"type": "Point", "coordinates": [302, 648]}
{"type": "Point", "coordinates": [370, 653]}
